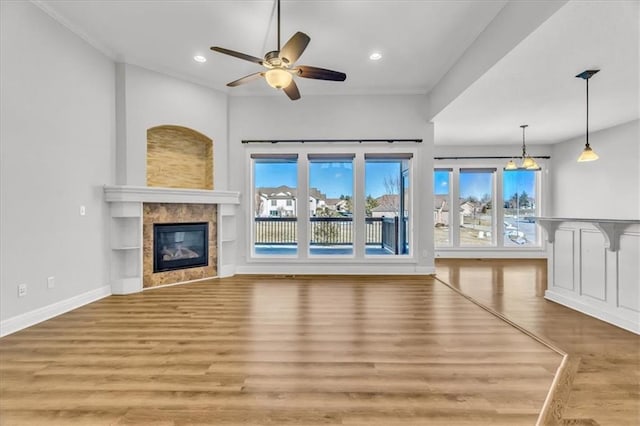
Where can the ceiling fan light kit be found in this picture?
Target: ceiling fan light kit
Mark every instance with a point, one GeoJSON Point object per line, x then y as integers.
{"type": "Point", "coordinates": [278, 78]}
{"type": "Point", "coordinates": [587, 154]}
{"type": "Point", "coordinates": [280, 65]}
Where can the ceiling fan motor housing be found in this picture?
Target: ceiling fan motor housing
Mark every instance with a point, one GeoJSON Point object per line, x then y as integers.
{"type": "Point", "coordinates": [274, 60]}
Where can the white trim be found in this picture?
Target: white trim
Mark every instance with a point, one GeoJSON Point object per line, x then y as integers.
{"type": "Point", "coordinates": [226, 271]}
{"type": "Point", "coordinates": [334, 269]}
{"type": "Point", "coordinates": [628, 324]}
{"type": "Point", "coordinates": [516, 253]}
{"type": "Point", "coordinates": [22, 321]}
{"type": "Point", "coordinates": [145, 194]}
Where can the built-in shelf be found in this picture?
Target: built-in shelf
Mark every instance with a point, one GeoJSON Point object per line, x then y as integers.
{"type": "Point", "coordinates": [126, 228]}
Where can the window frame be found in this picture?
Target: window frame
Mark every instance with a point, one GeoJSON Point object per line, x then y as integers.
{"type": "Point", "coordinates": [498, 245]}
{"type": "Point", "coordinates": [357, 151]}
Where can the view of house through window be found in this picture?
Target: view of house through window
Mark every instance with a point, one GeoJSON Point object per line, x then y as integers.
{"type": "Point", "coordinates": [330, 205]}
{"type": "Point", "coordinates": [386, 205]}
{"type": "Point", "coordinates": [442, 204]}
{"type": "Point", "coordinates": [519, 193]}
{"type": "Point", "coordinates": [478, 223]}
{"type": "Point", "coordinates": [476, 207]}
{"type": "Point", "coordinates": [275, 204]}
{"type": "Point", "coordinates": [331, 229]}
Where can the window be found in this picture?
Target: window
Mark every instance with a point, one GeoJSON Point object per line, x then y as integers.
{"type": "Point", "coordinates": [353, 206]}
{"type": "Point", "coordinates": [476, 207]}
{"type": "Point", "coordinates": [275, 215]}
{"type": "Point", "coordinates": [330, 205]}
{"type": "Point", "coordinates": [387, 204]}
{"type": "Point", "coordinates": [494, 208]}
{"type": "Point", "coordinates": [520, 203]}
{"type": "Point", "coordinates": [442, 207]}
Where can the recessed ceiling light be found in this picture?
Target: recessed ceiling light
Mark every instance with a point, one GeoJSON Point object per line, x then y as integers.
{"type": "Point", "coordinates": [199, 58]}
{"type": "Point", "coordinates": [375, 56]}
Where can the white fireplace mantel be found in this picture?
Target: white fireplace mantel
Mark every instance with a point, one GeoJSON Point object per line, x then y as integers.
{"type": "Point", "coordinates": [126, 206]}
{"type": "Point", "coordinates": [145, 194]}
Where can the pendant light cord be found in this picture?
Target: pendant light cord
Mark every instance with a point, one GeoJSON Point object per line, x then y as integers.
{"type": "Point", "coordinates": [587, 113]}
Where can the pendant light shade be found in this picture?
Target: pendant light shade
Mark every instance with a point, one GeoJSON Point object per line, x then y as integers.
{"type": "Point", "coordinates": [511, 165]}
{"type": "Point", "coordinates": [527, 162]}
{"type": "Point", "coordinates": [587, 154]}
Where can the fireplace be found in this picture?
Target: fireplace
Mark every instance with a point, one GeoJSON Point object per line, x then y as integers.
{"type": "Point", "coordinates": [180, 246]}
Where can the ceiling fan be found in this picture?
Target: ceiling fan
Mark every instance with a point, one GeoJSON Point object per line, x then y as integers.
{"type": "Point", "coordinates": [280, 65]}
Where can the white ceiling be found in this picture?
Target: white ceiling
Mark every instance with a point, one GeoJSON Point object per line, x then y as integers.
{"type": "Point", "coordinates": [534, 84]}
{"type": "Point", "coordinates": [420, 40]}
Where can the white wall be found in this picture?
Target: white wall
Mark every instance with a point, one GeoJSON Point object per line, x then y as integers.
{"type": "Point", "coordinates": [147, 99]}
{"type": "Point", "coordinates": [606, 188]}
{"type": "Point", "coordinates": [329, 117]}
{"type": "Point", "coordinates": [514, 150]}
{"type": "Point", "coordinates": [56, 152]}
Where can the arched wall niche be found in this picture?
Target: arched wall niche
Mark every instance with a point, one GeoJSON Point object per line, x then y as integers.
{"type": "Point", "coordinates": [179, 157]}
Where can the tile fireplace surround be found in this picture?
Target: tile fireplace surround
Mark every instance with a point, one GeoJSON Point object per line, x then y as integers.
{"type": "Point", "coordinates": [134, 209]}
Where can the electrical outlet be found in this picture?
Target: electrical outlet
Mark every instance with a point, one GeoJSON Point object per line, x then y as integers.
{"type": "Point", "coordinates": [22, 290]}
{"type": "Point", "coordinates": [83, 210]}
{"type": "Point", "coordinates": [51, 282]}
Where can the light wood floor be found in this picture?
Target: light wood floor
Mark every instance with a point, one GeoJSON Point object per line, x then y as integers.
{"type": "Point", "coordinates": [605, 386]}
{"type": "Point", "coordinates": [276, 351]}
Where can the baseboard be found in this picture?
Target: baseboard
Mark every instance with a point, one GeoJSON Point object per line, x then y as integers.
{"type": "Point", "coordinates": [227, 271]}
{"type": "Point", "coordinates": [22, 321]}
{"type": "Point", "coordinates": [606, 316]}
{"type": "Point", "coordinates": [491, 254]}
{"type": "Point", "coordinates": [334, 269]}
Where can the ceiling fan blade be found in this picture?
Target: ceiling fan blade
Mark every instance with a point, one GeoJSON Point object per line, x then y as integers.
{"type": "Point", "coordinates": [245, 79]}
{"type": "Point", "coordinates": [294, 47]}
{"type": "Point", "coordinates": [320, 73]}
{"type": "Point", "coordinates": [292, 91]}
{"type": "Point", "coordinates": [237, 54]}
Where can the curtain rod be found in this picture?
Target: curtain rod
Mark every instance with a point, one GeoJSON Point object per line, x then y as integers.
{"type": "Point", "coordinates": [545, 157]}
{"type": "Point", "coordinates": [327, 140]}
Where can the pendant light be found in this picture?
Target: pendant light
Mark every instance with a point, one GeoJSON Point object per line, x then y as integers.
{"type": "Point", "coordinates": [587, 154]}
{"type": "Point", "coordinates": [527, 162]}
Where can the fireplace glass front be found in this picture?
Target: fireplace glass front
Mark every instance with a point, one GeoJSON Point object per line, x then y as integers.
{"type": "Point", "coordinates": [180, 246]}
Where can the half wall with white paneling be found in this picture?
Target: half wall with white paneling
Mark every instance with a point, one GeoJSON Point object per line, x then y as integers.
{"type": "Point", "coordinates": [586, 275]}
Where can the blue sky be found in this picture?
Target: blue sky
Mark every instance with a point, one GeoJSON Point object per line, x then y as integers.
{"type": "Point", "coordinates": [478, 184]}
{"type": "Point", "coordinates": [336, 178]}
{"type": "Point", "coordinates": [518, 181]}
{"type": "Point", "coordinates": [475, 184]}
{"type": "Point", "coordinates": [333, 179]}
{"type": "Point", "coordinates": [441, 182]}
{"type": "Point", "coordinates": [276, 174]}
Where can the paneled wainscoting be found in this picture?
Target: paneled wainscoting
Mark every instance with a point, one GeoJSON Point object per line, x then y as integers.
{"type": "Point", "coordinates": [594, 268]}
